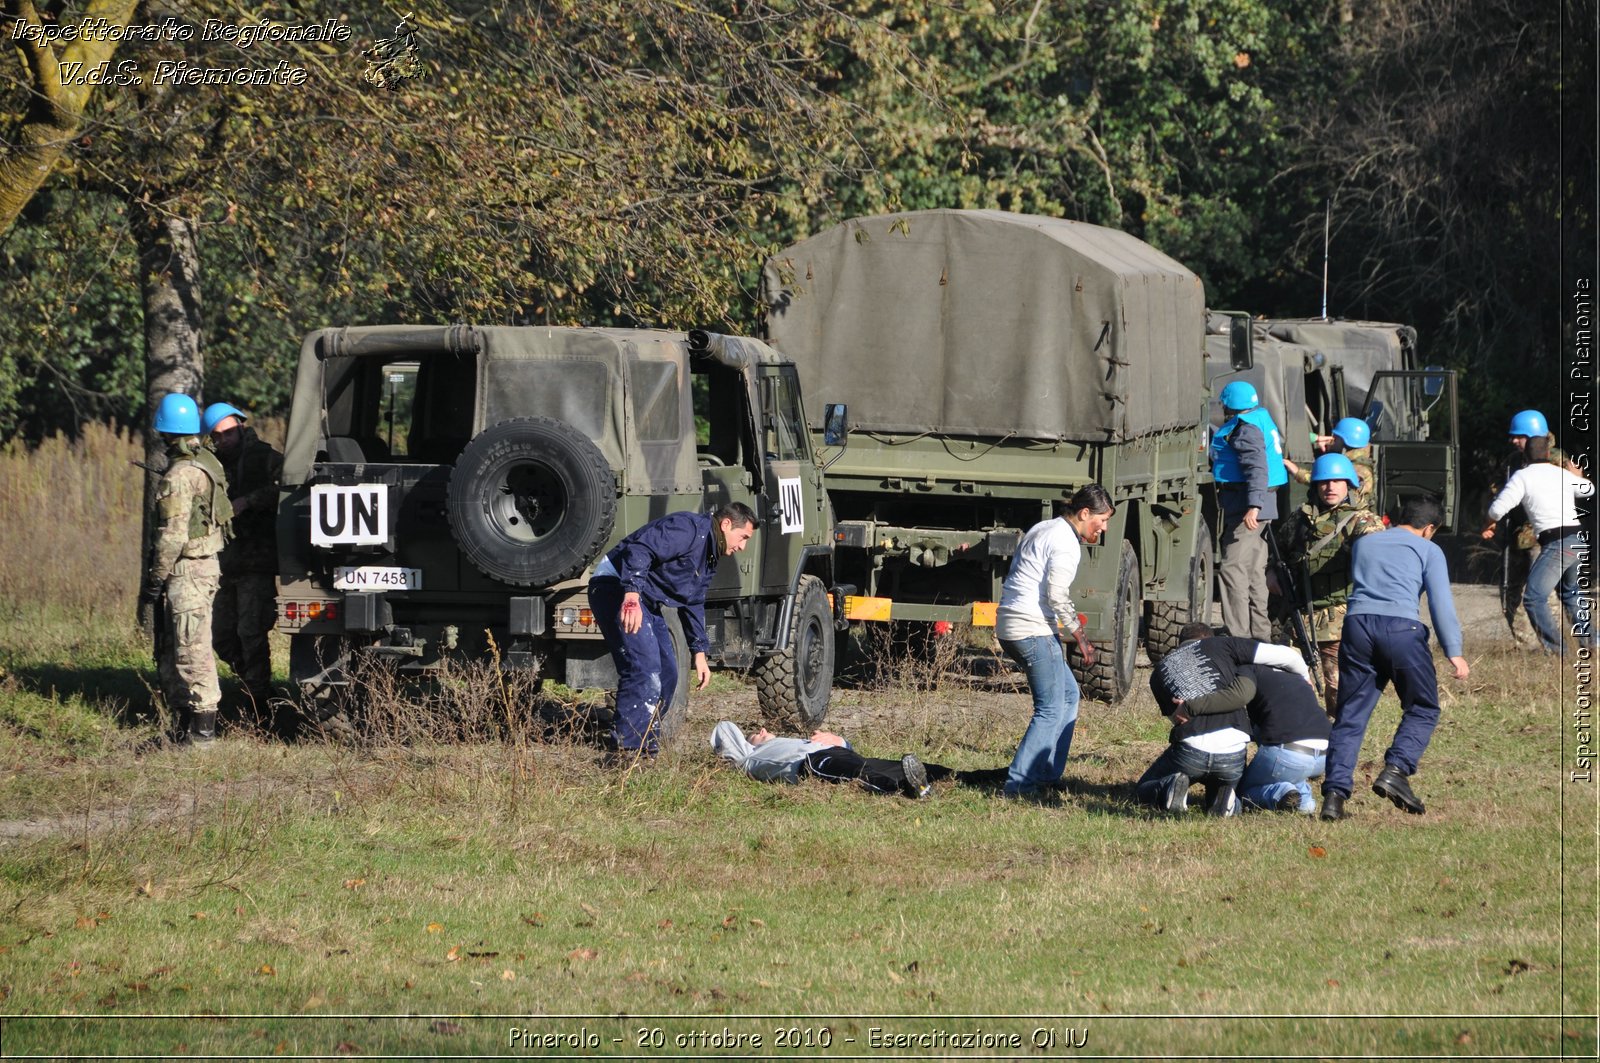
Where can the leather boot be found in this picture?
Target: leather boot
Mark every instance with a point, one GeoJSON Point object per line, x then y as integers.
{"type": "Point", "coordinates": [1332, 805]}
{"type": "Point", "coordinates": [202, 729]}
{"type": "Point", "coordinates": [1391, 783]}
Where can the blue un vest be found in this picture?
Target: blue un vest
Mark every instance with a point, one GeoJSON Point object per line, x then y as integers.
{"type": "Point", "coordinates": [1225, 463]}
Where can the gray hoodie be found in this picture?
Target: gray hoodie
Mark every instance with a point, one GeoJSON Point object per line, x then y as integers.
{"type": "Point", "coordinates": [775, 760]}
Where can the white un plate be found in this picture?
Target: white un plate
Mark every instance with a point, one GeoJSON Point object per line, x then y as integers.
{"type": "Point", "coordinates": [376, 578]}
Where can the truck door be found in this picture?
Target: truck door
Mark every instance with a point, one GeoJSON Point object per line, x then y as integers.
{"type": "Point", "coordinates": [730, 465]}
{"type": "Point", "coordinates": [793, 501]}
{"type": "Point", "coordinates": [1415, 436]}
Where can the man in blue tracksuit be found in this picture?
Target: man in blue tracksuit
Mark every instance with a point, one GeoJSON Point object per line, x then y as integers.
{"type": "Point", "coordinates": [1247, 463]}
{"type": "Point", "coordinates": [668, 562]}
{"type": "Point", "coordinates": [1385, 641]}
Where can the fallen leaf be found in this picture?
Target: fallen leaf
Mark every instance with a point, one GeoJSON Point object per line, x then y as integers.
{"type": "Point", "coordinates": [758, 922]}
{"type": "Point", "coordinates": [1241, 59]}
{"type": "Point", "coordinates": [238, 909]}
{"type": "Point", "coordinates": [435, 928]}
{"type": "Point", "coordinates": [582, 954]}
{"type": "Point", "coordinates": [665, 924]}
{"type": "Point", "coordinates": [197, 915]}
{"type": "Point", "coordinates": [1318, 852]}
{"type": "Point", "coordinates": [345, 1048]}
{"type": "Point", "coordinates": [446, 1027]}
{"type": "Point", "coordinates": [354, 883]}
{"type": "Point", "coordinates": [731, 921]}
{"type": "Point", "coordinates": [280, 1048]}
{"type": "Point", "coordinates": [536, 919]}
{"type": "Point", "coordinates": [1463, 1038]}
{"type": "Point", "coordinates": [409, 984]}
{"type": "Point", "coordinates": [265, 968]}
{"type": "Point", "coordinates": [454, 954]}
{"type": "Point", "coordinates": [86, 922]}
{"type": "Point", "coordinates": [1334, 982]}
{"type": "Point", "coordinates": [508, 976]}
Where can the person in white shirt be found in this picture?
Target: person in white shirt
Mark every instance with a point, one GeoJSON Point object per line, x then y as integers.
{"type": "Point", "coordinates": [1034, 620]}
{"type": "Point", "coordinates": [1548, 494]}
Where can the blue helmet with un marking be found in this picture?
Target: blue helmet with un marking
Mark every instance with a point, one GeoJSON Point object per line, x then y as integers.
{"type": "Point", "coordinates": [1239, 395]}
{"type": "Point", "coordinates": [177, 415]}
{"type": "Point", "coordinates": [218, 412]}
{"type": "Point", "coordinates": [1334, 467]}
{"type": "Point", "coordinates": [1529, 423]}
{"type": "Point", "coordinates": [1353, 432]}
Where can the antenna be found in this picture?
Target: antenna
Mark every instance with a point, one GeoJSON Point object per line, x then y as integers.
{"type": "Point", "coordinates": [1327, 223]}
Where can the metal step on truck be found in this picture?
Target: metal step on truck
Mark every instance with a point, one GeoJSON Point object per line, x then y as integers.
{"type": "Point", "coordinates": [966, 370]}
{"type": "Point", "coordinates": [447, 490]}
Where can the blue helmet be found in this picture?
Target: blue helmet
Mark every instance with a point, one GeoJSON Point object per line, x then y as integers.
{"type": "Point", "coordinates": [178, 416]}
{"type": "Point", "coordinates": [1353, 432]}
{"type": "Point", "coordinates": [1529, 423]}
{"type": "Point", "coordinates": [1239, 395]}
{"type": "Point", "coordinates": [1334, 467]}
{"type": "Point", "coordinates": [218, 412]}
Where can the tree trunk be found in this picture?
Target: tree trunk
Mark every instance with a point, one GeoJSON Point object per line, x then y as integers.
{"type": "Point", "coordinates": [55, 101]}
{"type": "Point", "coordinates": [174, 335]}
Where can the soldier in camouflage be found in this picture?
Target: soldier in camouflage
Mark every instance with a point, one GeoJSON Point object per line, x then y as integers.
{"type": "Point", "coordinates": [246, 604]}
{"type": "Point", "coordinates": [182, 574]}
{"type": "Point", "coordinates": [1316, 546]}
{"type": "Point", "coordinates": [1352, 438]}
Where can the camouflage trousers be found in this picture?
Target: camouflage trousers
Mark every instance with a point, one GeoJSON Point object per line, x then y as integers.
{"type": "Point", "coordinates": [1327, 625]}
{"type": "Point", "coordinates": [186, 664]}
{"type": "Point", "coordinates": [245, 609]}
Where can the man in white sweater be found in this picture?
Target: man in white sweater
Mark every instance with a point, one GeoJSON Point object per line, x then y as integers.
{"type": "Point", "coordinates": [767, 757]}
{"type": "Point", "coordinates": [1548, 494]}
{"type": "Point", "coordinates": [1034, 621]}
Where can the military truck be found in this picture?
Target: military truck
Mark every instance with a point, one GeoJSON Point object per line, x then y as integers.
{"type": "Point", "coordinates": [1313, 372]}
{"type": "Point", "coordinates": [971, 369]}
{"type": "Point", "coordinates": [448, 489]}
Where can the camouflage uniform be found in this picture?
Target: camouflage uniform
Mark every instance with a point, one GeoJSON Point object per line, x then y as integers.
{"type": "Point", "coordinates": [1317, 549]}
{"type": "Point", "coordinates": [246, 604]}
{"type": "Point", "coordinates": [192, 507]}
{"type": "Point", "coordinates": [1361, 458]}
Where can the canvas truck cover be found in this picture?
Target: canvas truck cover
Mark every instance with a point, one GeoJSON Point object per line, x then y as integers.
{"type": "Point", "coordinates": [627, 390]}
{"type": "Point", "coordinates": [986, 323]}
{"type": "Point", "coordinates": [1361, 349]}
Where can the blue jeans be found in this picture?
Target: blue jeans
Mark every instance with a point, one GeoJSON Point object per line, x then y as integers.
{"type": "Point", "coordinates": [1373, 652]}
{"type": "Point", "coordinates": [647, 667]}
{"type": "Point", "coordinates": [1556, 569]}
{"type": "Point", "coordinates": [1213, 769]}
{"type": "Point", "coordinates": [1042, 754]}
{"type": "Point", "coordinates": [1277, 770]}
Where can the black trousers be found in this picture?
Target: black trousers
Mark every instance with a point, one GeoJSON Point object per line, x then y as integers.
{"type": "Point", "coordinates": [838, 764]}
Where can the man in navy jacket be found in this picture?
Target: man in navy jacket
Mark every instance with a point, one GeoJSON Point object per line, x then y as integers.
{"type": "Point", "coordinates": [668, 562]}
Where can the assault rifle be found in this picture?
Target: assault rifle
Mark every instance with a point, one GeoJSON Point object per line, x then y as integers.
{"type": "Point", "coordinates": [1301, 623]}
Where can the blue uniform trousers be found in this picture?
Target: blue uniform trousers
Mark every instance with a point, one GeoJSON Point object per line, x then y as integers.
{"type": "Point", "coordinates": [1373, 652]}
{"type": "Point", "coordinates": [647, 668]}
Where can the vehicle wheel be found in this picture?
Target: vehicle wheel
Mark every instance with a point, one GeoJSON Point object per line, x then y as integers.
{"type": "Point", "coordinates": [531, 501]}
{"type": "Point", "coordinates": [793, 687]}
{"type": "Point", "coordinates": [1167, 619]}
{"type": "Point", "coordinates": [1112, 675]}
{"type": "Point", "coordinates": [670, 723]}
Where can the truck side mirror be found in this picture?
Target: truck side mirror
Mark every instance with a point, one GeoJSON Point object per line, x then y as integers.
{"type": "Point", "coordinates": [1433, 383]}
{"type": "Point", "coordinates": [835, 424]}
{"type": "Point", "coordinates": [1240, 355]}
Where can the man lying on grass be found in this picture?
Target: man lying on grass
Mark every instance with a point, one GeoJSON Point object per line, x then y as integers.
{"type": "Point", "coordinates": [826, 756]}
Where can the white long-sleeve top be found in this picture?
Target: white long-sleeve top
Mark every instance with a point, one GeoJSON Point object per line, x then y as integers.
{"type": "Point", "coordinates": [1547, 493]}
{"type": "Point", "coordinates": [1036, 598]}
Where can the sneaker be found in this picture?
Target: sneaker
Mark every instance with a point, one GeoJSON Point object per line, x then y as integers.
{"type": "Point", "coordinates": [1177, 795]}
{"type": "Point", "coordinates": [1289, 802]}
{"type": "Point", "coordinates": [916, 776]}
{"type": "Point", "coordinates": [1224, 802]}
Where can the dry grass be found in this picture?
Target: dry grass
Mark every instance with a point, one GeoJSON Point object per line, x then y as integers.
{"type": "Point", "coordinates": [69, 519]}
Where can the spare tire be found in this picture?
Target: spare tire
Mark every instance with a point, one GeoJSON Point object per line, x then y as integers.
{"type": "Point", "coordinates": [531, 501]}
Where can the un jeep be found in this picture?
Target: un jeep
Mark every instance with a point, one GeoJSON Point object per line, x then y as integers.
{"type": "Point", "coordinates": [447, 491]}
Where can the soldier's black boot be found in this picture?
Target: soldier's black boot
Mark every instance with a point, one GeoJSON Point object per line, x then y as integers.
{"type": "Point", "coordinates": [1332, 805]}
{"type": "Point", "coordinates": [1391, 783]}
{"type": "Point", "coordinates": [202, 730]}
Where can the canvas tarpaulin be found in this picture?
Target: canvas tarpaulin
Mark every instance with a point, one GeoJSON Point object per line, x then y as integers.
{"type": "Point", "coordinates": [991, 324]}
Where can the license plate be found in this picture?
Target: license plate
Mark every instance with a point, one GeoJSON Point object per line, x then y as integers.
{"type": "Point", "coordinates": [376, 578]}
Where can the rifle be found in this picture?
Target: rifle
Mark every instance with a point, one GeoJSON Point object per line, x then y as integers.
{"type": "Point", "coordinates": [1300, 619]}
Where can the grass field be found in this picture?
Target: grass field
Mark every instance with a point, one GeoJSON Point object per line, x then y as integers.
{"type": "Point", "coordinates": [513, 897]}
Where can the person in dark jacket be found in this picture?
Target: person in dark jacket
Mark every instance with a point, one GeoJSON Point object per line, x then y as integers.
{"type": "Point", "coordinates": [1247, 463]}
{"type": "Point", "coordinates": [1203, 688]}
{"type": "Point", "coordinates": [1291, 733]}
{"type": "Point", "coordinates": [669, 562]}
